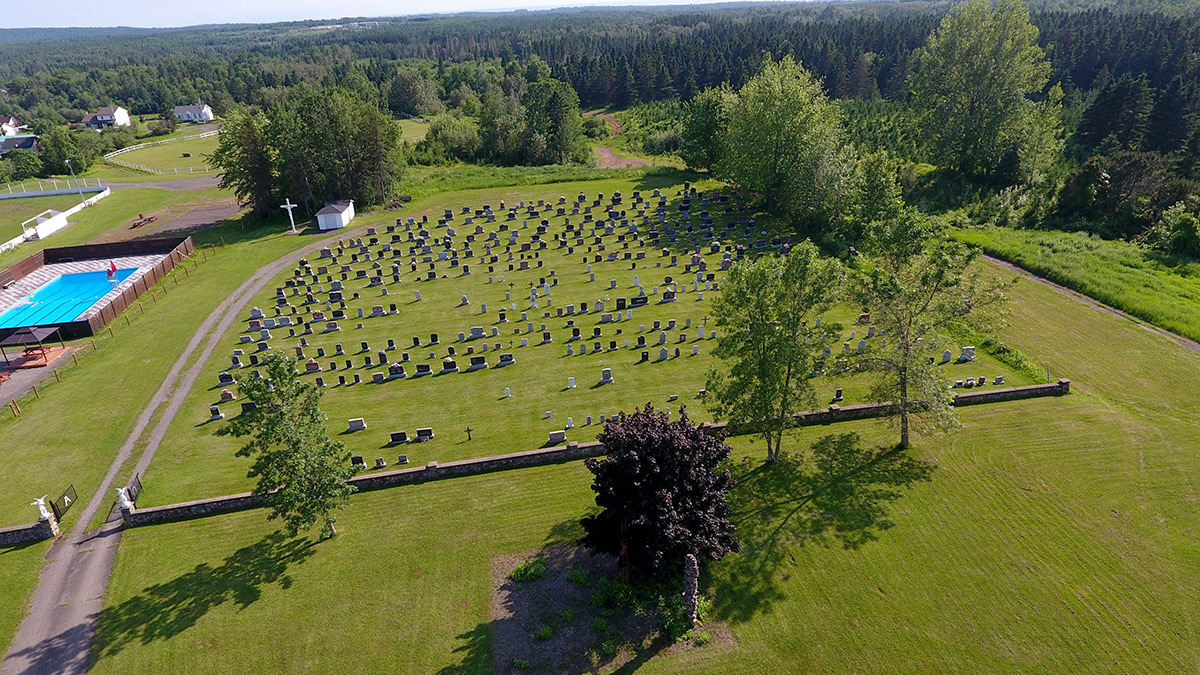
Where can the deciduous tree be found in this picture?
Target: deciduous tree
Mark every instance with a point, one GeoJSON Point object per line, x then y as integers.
{"type": "Point", "coordinates": [915, 290]}
{"type": "Point", "coordinates": [661, 492]}
{"type": "Point", "coordinates": [770, 340]}
{"type": "Point", "coordinates": [301, 472]}
{"type": "Point", "coordinates": [972, 79]}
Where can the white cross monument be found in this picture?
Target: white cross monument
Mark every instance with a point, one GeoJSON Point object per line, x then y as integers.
{"type": "Point", "coordinates": [289, 206]}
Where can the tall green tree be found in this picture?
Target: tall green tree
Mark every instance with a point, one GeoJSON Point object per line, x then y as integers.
{"type": "Point", "coordinates": [246, 162]}
{"type": "Point", "coordinates": [553, 126]}
{"type": "Point", "coordinates": [1119, 116]}
{"type": "Point", "coordinates": [771, 340]}
{"type": "Point", "coordinates": [59, 144]}
{"type": "Point", "coordinates": [972, 80]}
{"type": "Point", "coordinates": [705, 119]}
{"type": "Point", "coordinates": [785, 141]}
{"type": "Point", "coordinates": [916, 289]}
{"type": "Point", "coordinates": [24, 163]}
{"type": "Point", "coordinates": [301, 472]}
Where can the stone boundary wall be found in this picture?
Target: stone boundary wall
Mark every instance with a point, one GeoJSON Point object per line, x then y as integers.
{"type": "Point", "coordinates": [11, 536]}
{"type": "Point", "coordinates": [554, 455]}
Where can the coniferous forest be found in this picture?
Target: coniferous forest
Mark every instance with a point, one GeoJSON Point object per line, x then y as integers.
{"type": "Point", "coordinates": [1102, 136]}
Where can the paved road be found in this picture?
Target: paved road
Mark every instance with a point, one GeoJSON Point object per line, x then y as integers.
{"type": "Point", "coordinates": [56, 635]}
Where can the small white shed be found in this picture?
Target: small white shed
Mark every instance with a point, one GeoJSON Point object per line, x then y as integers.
{"type": "Point", "coordinates": [335, 215]}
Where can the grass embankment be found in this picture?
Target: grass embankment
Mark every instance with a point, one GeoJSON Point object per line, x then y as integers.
{"type": "Point", "coordinates": [195, 463]}
{"type": "Point", "coordinates": [13, 212]}
{"type": "Point", "coordinates": [1051, 535]}
{"type": "Point", "coordinates": [1157, 289]}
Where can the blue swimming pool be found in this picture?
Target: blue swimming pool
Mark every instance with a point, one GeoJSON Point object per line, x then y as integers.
{"type": "Point", "coordinates": [63, 299]}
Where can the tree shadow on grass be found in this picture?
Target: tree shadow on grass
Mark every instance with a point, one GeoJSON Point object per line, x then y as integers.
{"type": "Point", "coordinates": [841, 494]}
{"type": "Point", "coordinates": [162, 611]}
{"type": "Point", "coordinates": [476, 652]}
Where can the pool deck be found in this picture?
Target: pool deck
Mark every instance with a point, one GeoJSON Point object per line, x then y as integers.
{"type": "Point", "coordinates": [16, 293]}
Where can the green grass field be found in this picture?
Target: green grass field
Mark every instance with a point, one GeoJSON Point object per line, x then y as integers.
{"type": "Point", "coordinates": [412, 130]}
{"type": "Point", "coordinates": [1050, 535]}
{"type": "Point", "coordinates": [13, 212]}
{"type": "Point", "coordinates": [1154, 288]}
{"type": "Point", "coordinates": [170, 155]}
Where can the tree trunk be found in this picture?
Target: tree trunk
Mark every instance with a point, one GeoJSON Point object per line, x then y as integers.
{"type": "Point", "coordinates": [904, 408]}
{"type": "Point", "coordinates": [330, 529]}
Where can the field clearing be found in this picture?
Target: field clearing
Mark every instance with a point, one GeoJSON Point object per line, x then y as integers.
{"type": "Point", "coordinates": [1154, 288]}
{"type": "Point", "coordinates": [1050, 535]}
{"type": "Point", "coordinates": [412, 130]}
{"type": "Point", "coordinates": [170, 155]}
{"type": "Point", "coordinates": [13, 212]}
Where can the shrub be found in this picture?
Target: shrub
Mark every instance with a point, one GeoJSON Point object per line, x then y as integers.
{"type": "Point", "coordinates": [579, 578]}
{"type": "Point", "coordinates": [530, 570]}
{"type": "Point", "coordinates": [544, 633]}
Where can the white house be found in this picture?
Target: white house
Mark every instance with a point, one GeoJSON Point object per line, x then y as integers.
{"type": "Point", "coordinates": [335, 215]}
{"type": "Point", "coordinates": [194, 113]}
{"type": "Point", "coordinates": [9, 126]}
{"type": "Point", "coordinates": [107, 116]}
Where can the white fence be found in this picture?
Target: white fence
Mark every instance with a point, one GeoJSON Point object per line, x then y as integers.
{"type": "Point", "coordinates": [151, 144]}
{"type": "Point", "coordinates": [49, 186]}
{"type": "Point", "coordinates": [111, 157]}
{"type": "Point", "coordinates": [48, 226]}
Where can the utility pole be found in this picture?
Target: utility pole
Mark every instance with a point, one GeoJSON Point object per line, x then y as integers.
{"type": "Point", "coordinates": [72, 170]}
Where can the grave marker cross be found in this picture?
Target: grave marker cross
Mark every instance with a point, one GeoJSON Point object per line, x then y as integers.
{"type": "Point", "coordinates": [469, 433]}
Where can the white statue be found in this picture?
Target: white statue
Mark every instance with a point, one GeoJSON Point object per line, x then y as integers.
{"type": "Point", "coordinates": [41, 504]}
{"type": "Point", "coordinates": [123, 496]}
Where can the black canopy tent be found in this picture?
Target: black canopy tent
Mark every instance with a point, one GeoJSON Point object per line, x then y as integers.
{"type": "Point", "coordinates": [29, 336]}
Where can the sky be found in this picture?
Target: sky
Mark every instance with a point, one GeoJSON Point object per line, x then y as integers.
{"type": "Point", "coordinates": [160, 13]}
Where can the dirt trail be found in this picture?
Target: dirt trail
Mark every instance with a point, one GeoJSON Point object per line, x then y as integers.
{"type": "Point", "coordinates": [605, 157]}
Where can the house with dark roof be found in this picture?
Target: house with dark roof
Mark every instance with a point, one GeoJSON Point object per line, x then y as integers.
{"type": "Point", "coordinates": [106, 117]}
{"type": "Point", "coordinates": [22, 142]}
{"type": "Point", "coordinates": [335, 215]}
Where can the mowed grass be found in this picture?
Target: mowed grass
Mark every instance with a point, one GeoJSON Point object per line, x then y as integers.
{"type": "Point", "coordinates": [195, 463]}
{"type": "Point", "coordinates": [19, 567]}
{"type": "Point", "coordinates": [1051, 535]}
{"type": "Point", "coordinates": [412, 130]}
{"type": "Point", "coordinates": [170, 155]}
{"type": "Point", "coordinates": [13, 212]}
{"type": "Point", "coordinates": [1161, 290]}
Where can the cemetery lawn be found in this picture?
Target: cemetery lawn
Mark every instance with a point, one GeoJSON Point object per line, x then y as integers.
{"type": "Point", "coordinates": [170, 155]}
{"type": "Point", "coordinates": [1047, 535]}
{"type": "Point", "coordinates": [1162, 290]}
{"type": "Point", "coordinates": [195, 463]}
{"type": "Point", "coordinates": [15, 211]}
{"type": "Point", "coordinates": [19, 568]}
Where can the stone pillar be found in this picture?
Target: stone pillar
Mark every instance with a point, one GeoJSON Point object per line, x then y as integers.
{"type": "Point", "coordinates": [48, 527]}
{"type": "Point", "coordinates": [691, 588]}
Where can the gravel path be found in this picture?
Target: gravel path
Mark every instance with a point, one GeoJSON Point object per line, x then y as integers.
{"type": "Point", "coordinates": [56, 635]}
